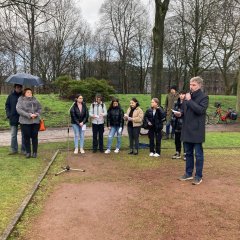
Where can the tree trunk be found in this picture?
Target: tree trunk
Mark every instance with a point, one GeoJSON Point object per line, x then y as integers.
{"type": "Point", "coordinates": [158, 40]}
{"type": "Point", "coordinates": [238, 90]}
{"type": "Point", "coordinates": [32, 41]}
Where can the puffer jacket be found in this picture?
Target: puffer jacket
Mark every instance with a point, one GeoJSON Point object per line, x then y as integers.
{"type": "Point", "coordinates": [156, 120]}
{"type": "Point", "coordinates": [115, 117]}
{"type": "Point", "coordinates": [137, 116]}
{"type": "Point", "coordinates": [77, 116]}
{"type": "Point", "coordinates": [25, 107]}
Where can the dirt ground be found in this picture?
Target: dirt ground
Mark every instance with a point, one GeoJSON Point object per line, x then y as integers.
{"type": "Point", "coordinates": [112, 201]}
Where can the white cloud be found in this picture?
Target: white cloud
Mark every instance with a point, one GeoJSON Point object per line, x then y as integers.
{"type": "Point", "coordinates": [90, 10]}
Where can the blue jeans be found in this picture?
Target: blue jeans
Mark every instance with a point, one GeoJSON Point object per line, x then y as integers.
{"type": "Point", "coordinates": [78, 132]}
{"type": "Point", "coordinates": [111, 134]}
{"type": "Point", "coordinates": [189, 148]}
{"type": "Point", "coordinates": [168, 125]}
{"type": "Point", "coordinates": [14, 141]}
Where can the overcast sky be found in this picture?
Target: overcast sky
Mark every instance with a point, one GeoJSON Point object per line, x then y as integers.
{"type": "Point", "coordinates": [90, 9]}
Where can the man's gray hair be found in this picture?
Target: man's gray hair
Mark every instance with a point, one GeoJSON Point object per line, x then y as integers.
{"type": "Point", "coordinates": [197, 79]}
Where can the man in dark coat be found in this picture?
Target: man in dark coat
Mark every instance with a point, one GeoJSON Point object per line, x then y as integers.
{"type": "Point", "coordinates": [193, 130]}
{"type": "Point", "coordinates": [13, 116]}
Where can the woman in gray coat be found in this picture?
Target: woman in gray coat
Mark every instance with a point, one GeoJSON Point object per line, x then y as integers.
{"type": "Point", "coordinates": [29, 110]}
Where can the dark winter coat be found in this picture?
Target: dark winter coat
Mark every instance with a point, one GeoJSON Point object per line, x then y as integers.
{"type": "Point", "coordinates": [156, 120]}
{"type": "Point", "coordinates": [176, 122]}
{"type": "Point", "coordinates": [77, 116]}
{"type": "Point", "coordinates": [194, 114]}
{"type": "Point", "coordinates": [10, 107]}
{"type": "Point", "coordinates": [115, 117]}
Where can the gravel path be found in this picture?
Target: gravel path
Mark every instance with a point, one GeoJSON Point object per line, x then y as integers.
{"type": "Point", "coordinates": [60, 134]}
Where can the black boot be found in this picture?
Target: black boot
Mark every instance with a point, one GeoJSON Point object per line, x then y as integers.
{"type": "Point", "coordinates": [166, 137]}
{"type": "Point", "coordinates": [28, 155]}
{"type": "Point", "coordinates": [34, 155]}
{"type": "Point", "coordinates": [131, 152]}
{"type": "Point", "coordinates": [136, 152]}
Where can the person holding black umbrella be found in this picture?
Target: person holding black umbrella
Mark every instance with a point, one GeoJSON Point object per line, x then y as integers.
{"type": "Point", "coordinates": [29, 109]}
{"type": "Point", "coordinates": [13, 117]}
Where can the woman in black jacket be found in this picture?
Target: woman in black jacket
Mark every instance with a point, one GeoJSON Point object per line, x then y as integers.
{"type": "Point", "coordinates": [115, 123]}
{"type": "Point", "coordinates": [79, 118]}
{"type": "Point", "coordinates": [177, 123]}
{"type": "Point", "coordinates": [153, 120]}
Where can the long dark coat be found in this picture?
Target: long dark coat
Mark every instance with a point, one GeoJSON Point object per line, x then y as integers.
{"type": "Point", "coordinates": [194, 114]}
{"type": "Point", "coordinates": [10, 108]}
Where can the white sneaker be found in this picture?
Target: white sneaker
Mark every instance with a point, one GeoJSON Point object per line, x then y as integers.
{"type": "Point", "coordinates": [156, 155]}
{"type": "Point", "coordinates": [151, 154]}
{"type": "Point", "coordinates": [107, 151]}
{"type": "Point", "coordinates": [76, 151]}
{"type": "Point", "coordinates": [116, 150]}
{"type": "Point", "coordinates": [82, 151]}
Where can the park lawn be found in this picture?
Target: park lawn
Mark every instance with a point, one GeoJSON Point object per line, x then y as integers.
{"type": "Point", "coordinates": [18, 174]}
{"type": "Point", "coordinates": [17, 177]}
{"type": "Point", "coordinates": [56, 111]}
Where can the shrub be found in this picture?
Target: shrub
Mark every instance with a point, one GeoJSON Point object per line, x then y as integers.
{"type": "Point", "coordinates": [88, 88]}
{"type": "Point", "coordinates": [63, 83]}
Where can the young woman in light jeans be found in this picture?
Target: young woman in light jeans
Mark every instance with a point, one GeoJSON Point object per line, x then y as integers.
{"type": "Point", "coordinates": [115, 123]}
{"type": "Point", "coordinates": [79, 118]}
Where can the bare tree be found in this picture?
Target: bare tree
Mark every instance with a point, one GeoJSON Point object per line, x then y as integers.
{"type": "Point", "coordinates": [23, 22]}
{"type": "Point", "coordinates": [103, 51]}
{"type": "Point", "coordinates": [174, 53]}
{"type": "Point", "coordinates": [224, 40]}
{"type": "Point", "coordinates": [142, 49]}
{"type": "Point", "coordinates": [119, 18]}
{"type": "Point", "coordinates": [161, 8]}
{"type": "Point", "coordinates": [68, 32]}
{"type": "Point", "coordinates": [192, 20]}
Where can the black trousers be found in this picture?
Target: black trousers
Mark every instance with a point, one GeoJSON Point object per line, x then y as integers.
{"type": "Point", "coordinates": [30, 131]}
{"type": "Point", "coordinates": [178, 143]}
{"type": "Point", "coordinates": [133, 135]}
{"type": "Point", "coordinates": [98, 130]}
{"type": "Point", "coordinates": [155, 135]}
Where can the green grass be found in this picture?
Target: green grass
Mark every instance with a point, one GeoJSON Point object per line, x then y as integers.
{"type": "Point", "coordinates": [55, 111]}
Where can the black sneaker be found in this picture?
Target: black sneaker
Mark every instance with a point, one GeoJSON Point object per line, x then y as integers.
{"type": "Point", "coordinates": [197, 181]}
{"type": "Point", "coordinates": [94, 151]}
{"type": "Point", "coordinates": [185, 177]}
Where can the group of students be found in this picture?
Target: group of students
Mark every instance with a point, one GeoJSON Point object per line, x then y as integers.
{"type": "Point", "coordinates": [135, 119]}
{"type": "Point", "coordinates": [186, 113]}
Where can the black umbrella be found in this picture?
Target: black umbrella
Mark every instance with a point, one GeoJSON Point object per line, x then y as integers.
{"type": "Point", "coordinates": [24, 79]}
